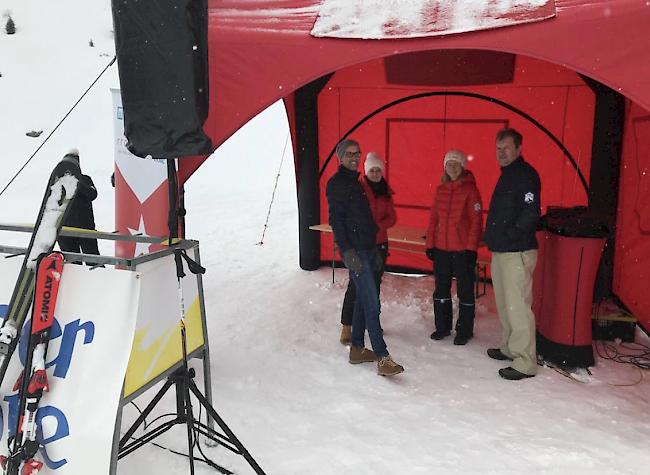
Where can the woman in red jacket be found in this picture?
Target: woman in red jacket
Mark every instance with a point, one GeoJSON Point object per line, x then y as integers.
{"type": "Point", "coordinates": [453, 235]}
{"type": "Point", "coordinates": [380, 199]}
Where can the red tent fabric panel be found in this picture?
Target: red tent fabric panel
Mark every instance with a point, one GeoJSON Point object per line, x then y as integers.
{"type": "Point", "coordinates": [410, 146]}
{"type": "Point", "coordinates": [413, 136]}
{"type": "Point", "coordinates": [632, 255]}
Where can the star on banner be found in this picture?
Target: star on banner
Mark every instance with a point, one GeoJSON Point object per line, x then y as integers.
{"type": "Point", "coordinates": [140, 247]}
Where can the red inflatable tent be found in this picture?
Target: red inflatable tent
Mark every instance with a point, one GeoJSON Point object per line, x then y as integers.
{"type": "Point", "coordinates": [576, 82]}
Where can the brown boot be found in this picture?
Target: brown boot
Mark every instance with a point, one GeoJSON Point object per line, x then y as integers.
{"type": "Point", "coordinates": [346, 334]}
{"type": "Point", "coordinates": [387, 367]}
{"type": "Point", "coordinates": [361, 355]}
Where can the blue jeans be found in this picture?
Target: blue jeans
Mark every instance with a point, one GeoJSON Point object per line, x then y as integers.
{"type": "Point", "coordinates": [347, 312]}
{"type": "Point", "coordinates": [366, 305]}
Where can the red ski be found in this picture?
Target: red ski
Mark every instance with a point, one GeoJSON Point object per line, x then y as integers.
{"type": "Point", "coordinates": [33, 381]}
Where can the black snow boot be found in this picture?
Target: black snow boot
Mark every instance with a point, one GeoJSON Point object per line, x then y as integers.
{"type": "Point", "coordinates": [442, 317]}
{"type": "Point", "coordinates": [465, 324]}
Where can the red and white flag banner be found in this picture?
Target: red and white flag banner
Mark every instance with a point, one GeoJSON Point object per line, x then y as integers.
{"type": "Point", "coordinates": [141, 192]}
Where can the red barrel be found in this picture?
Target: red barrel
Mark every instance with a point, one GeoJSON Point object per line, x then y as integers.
{"type": "Point", "coordinates": [571, 249]}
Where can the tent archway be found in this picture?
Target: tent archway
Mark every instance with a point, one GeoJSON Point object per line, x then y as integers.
{"type": "Point", "coordinates": [494, 100]}
{"type": "Point", "coordinates": [553, 134]}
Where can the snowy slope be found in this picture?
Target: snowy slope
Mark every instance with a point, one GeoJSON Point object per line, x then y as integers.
{"type": "Point", "coordinates": [46, 66]}
{"type": "Point", "coordinates": [280, 378]}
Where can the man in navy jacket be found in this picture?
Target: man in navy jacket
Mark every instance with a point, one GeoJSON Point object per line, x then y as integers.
{"type": "Point", "coordinates": [355, 235]}
{"type": "Point", "coordinates": [510, 235]}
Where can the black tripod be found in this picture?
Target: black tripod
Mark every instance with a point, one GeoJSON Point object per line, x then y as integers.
{"type": "Point", "coordinates": [183, 380]}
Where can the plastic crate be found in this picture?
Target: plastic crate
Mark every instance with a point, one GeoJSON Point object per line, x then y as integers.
{"type": "Point", "coordinates": [611, 327]}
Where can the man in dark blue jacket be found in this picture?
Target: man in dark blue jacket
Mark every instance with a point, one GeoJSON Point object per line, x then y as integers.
{"type": "Point", "coordinates": [355, 235]}
{"type": "Point", "coordinates": [510, 235]}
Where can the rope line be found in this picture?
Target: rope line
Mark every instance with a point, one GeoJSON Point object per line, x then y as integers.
{"type": "Point", "coordinates": [277, 177]}
{"type": "Point", "coordinates": [57, 126]}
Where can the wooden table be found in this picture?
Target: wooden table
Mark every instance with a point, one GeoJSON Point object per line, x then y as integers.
{"type": "Point", "coordinates": [411, 239]}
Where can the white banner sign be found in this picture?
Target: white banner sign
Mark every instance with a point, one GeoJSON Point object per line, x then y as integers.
{"type": "Point", "coordinates": [157, 341]}
{"type": "Point", "coordinates": [86, 360]}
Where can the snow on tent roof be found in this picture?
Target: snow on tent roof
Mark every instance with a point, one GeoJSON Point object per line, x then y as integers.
{"type": "Point", "coordinates": [386, 19]}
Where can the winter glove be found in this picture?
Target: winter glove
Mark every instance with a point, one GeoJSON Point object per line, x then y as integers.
{"type": "Point", "coordinates": [352, 261]}
{"type": "Point", "coordinates": [430, 254]}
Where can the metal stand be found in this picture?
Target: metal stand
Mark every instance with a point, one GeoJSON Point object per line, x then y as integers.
{"type": "Point", "coordinates": [183, 380]}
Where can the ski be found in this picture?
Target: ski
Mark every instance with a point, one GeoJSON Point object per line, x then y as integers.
{"type": "Point", "coordinates": [33, 380]}
{"type": "Point", "coordinates": [579, 375]}
{"type": "Point", "coordinates": [61, 189]}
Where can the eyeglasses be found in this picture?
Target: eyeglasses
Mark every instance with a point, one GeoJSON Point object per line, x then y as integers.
{"type": "Point", "coordinates": [352, 154]}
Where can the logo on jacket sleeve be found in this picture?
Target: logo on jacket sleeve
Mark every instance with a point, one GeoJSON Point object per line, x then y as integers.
{"type": "Point", "coordinates": [529, 197]}
{"type": "Point", "coordinates": [477, 207]}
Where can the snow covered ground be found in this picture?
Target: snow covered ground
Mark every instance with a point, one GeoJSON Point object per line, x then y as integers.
{"type": "Point", "coordinates": [280, 377]}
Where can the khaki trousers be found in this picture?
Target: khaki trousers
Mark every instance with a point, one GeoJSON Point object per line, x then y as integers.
{"type": "Point", "coordinates": [512, 280]}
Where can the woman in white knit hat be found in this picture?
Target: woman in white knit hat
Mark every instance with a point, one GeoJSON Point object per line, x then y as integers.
{"type": "Point", "coordinates": [380, 198]}
{"type": "Point", "coordinates": [454, 231]}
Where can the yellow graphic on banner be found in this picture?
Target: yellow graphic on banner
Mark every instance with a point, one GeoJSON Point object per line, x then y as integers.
{"type": "Point", "coordinates": [145, 364]}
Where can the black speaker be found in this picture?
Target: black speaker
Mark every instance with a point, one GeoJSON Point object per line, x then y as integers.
{"type": "Point", "coordinates": [162, 57]}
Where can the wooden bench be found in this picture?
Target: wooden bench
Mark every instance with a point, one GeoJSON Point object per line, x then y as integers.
{"type": "Point", "coordinates": [412, 240]}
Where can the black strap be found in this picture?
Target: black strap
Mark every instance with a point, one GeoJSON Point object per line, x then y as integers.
{"type": "Point", "coordinates": [172, 217]}
{"type": "Point", "coordinates": [193, 266]}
